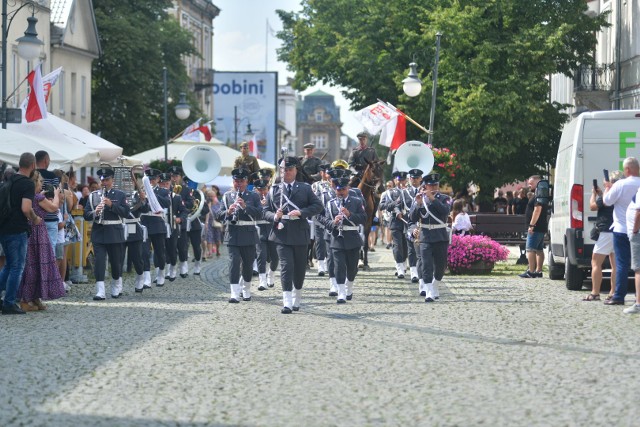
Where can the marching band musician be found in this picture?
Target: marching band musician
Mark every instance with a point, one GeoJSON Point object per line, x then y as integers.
{"type": "Point", "coordinates": [397, 202]}
{"type": "Point", "coordinates": [341, 218]}
{"type": "Point", "coordinates": [106, 210]}
{"type": "Point", "coordinates": [176, 216]}
{"type": "Point", "coordinates": [415, 176]}
{"type": "Point", "coordinates": [136, 236]}
{"type": "Point", "coordinates": [240, 210]}
{"type": "Point", "coordinates": [156, 230]}
{"type": "Point", "coordinates": [431, 209]}
{"type": "Point", "coordinates": [289, 205]}
{"type": "Point", "coordinates": [266, 250]}
{"type": "Point", "coordinates": [322, 189]}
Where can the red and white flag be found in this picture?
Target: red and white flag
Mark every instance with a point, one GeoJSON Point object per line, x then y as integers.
{"type": "Point", "coordinates": [376, 116]}
{"type": "Point", "coordinates": [206, 131]}
{"type": "Point", "coordinates": [37, 105]}
{"type": "Point", "coordinates": [48, 82]}
{"type": "Point", "coordinates": [192, 132]}
{"type": "Point", "coordinates": [394, 133]}
{"type": "Point", "coordinates": [253, 146]}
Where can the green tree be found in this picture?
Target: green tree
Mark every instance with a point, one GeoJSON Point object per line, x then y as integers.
{"type": "Point", "coordinates": [138, 39]}
{"type": "Point", "coordinates": [495, 60]}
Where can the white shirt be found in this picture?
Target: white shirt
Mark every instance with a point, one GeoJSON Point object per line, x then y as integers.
{"type": "Point", "coordinates": [631, 214]}
{"type": "Point", "coordinates": [619, 196]}
{"type": "Point", "coordinates": [462, 223]}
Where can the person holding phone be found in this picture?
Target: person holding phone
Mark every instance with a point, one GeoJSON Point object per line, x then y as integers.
{"type": "Point", "coordinates": [604, 243]}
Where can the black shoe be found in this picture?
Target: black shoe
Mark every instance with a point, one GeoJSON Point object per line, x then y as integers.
{"type": "Point", "coordinates": [285, 310]}
{"type": "Point", "coordinates": [139, 291]}
{"type": "Point", "coordinates": [389, 246]}
{"type": "Point", "coordinates": [167, 277]}
{"type": "Point", "coordinates": [396, 273]}
{"type": "Point", "coordinates": [423, 293]}
{"type": "Point", "coordinates": [98, 298]}
{"type": "Point", "coordinates": [159, 285]}
{"type": "Point", "coordinates": [414, 280]}
{"type": "Point", "coordinates": [271, 285]}
{"type": "Point", "coordinates": [296, 308]}
{"type": "Point", "coordinates": [429, 299]}
{"type": "Point", "coordinates": [321, 273]}
{"type": "Point", "coordinates": [116, 296]}
{"type": "Point", "coordinates": [400, 276]}
{"type": "Point", "coordinates": [195, 274]}
{"type": "Point", "coordinates": [12, 309]}
{"type": "Point", "coordinates": [171, 279]}
{"type": "Point", "coordinates": [333, 294]}
{"type": "Point", "coordinates": [527, 275]}
{"type": "Point", "coordinates": [341, 301]}
{"type": "Point", "coordinates": [349, 297]}
{"type": "Point", "coordinates": [146, 287]}
{"type": "Point", "coordinates": [184, 276]}
{"type": "Point", "coordinates": [614, 302]}
{"type": "Point", "coordinates": [233, 301]}
{"type": "Point", "coordinates": [246, 299]}
{"type": "Point", "coordinates": [262, 288]}
{"type": "Point", "coordinates": [255, 273]}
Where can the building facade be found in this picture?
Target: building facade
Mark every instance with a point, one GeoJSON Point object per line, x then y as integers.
{"type": "Point", "coordinates": [318, 122]}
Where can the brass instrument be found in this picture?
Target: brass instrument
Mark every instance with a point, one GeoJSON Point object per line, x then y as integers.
{"type": "Point", "coordinates": [198, 204]}
{"type": "Point", "coordinates": [177, 189]}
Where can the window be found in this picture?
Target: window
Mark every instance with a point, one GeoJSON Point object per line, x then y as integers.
{"type": "Point", "coordinates": [60, 92]}
{"type": "Point", "coordinates": [83, 96]}
{"type": "Point", "coordinates": [319, 114]}
{"type": "Point", "coordinates": [319, 140]}
{"type": "Point", "coordinates": [74, 98]}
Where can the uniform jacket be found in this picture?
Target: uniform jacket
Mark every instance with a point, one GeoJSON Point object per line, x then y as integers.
{"type": "Point", "coordinates": [249, 163]}
{"type": "Point", "coordinates": [240, 235]}
{"type": "Point", "coordinates": [351, 238]}
{"type": "Point", "coordinates": [135, 228]}
{"type": "Point", "coordinates": [393, 201]}
{"type": "Point", "coordinates": [359, 157]}
{"type": "Point", "coordinates": [439, 207]}
{"type": "Point", "coordinates": [155, 224]}
{"type": "Point", "coordinates": [188, 200]}
{"type": "Point", "coordinates": [177, 210]}
{"type": "Point", "coordinates": [311, 167]}
{"type": "Point", "coordinates": [264, 226]}
{"type": "Point", "coordinates": [111, 233]}
{"type": "Point", "coordinates": [295, 231]}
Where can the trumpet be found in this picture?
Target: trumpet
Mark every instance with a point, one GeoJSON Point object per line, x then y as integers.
{"type": "Point", "coordinates": [177, 189]}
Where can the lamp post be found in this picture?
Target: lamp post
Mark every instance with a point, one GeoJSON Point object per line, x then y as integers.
{"type": "Point", "coordinates": [412, 85]}
{"type": "Point", "coordinates": [182, 110]}
{"type": "Point", "coordinates": [28, 48]}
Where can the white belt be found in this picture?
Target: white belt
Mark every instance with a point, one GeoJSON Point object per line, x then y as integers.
{"type": "Point", "coordinates": [244, 223]}
{"type": "Point", "coordinates": [350, 228]}
{"type": "Point", "coordinates": [433, 226]}
{"type": "Point", "coordinates": [160, 215]}
{"type": "Point", "coordinates": [109, 222]}
{"type": "Point", "coordinates": [131, 220]}
{"type": "Point", "coordinates": [289, 217]}
{"type": "Point", "coordinates": [262, 222]}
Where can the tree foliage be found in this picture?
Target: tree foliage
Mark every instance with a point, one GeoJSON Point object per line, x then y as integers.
{"type": "Point", "coordinates": [138, 39]}
{"type": "Point", "coordinates": [496, 57]}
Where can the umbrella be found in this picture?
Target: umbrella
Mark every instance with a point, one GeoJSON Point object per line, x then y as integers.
{"type": "Point", "coordinates": [61, 153]}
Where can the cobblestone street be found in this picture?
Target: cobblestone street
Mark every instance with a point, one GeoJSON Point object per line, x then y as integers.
{"type": "Point", "coordinates": [495, 350]}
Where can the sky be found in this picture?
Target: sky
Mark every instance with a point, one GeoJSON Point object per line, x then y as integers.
{"type": "Point", "coordinates": [240, 43]}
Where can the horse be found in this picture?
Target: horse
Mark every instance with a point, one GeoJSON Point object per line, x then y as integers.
{"type": "Point", "coordinates": [371, 185]}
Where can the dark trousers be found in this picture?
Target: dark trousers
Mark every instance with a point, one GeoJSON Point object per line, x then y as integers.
{"type": "Point", "coordinates": [171, 248]}
{"type": "Point", "coordinates": [330, 261]}
{"type": "Point", "coordinates": [399, 245]}
{"type": "Point", "coordinates": [345, 263]}
{"type": "Point", "coordinates": [412, 254]}
{"type": "Point", "coordinates": [267, 254]}
{"type": "Point", "coordinates": [241, 257]}
{"type": "Point", "coordinates": [321, 245]}
{"type": "Point", "coordinates": [159, 259]}
{"type": "Point", "coordinates": [134, 255]}
{"type": "Point", "coordinates": [101, 250]}
{"type": "Point", "coordinates": [293, 266]}
{"type": "Point", "coordinates": [434, 260]}
{"type": "Point", "coordinates": [622, 248]}
{"type": "Point", "coordinates": [195, 238]}
{"type": "Point", "coordinates": [183, 246]}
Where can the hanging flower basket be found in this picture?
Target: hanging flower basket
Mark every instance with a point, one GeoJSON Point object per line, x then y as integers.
{"type": "Point", "coordinates": [474, 254]}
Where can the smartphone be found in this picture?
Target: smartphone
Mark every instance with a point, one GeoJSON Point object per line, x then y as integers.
{"type": "Point", "coordinates": [606, 174]}
{"type": "Point", "coordinates": [595, 184]}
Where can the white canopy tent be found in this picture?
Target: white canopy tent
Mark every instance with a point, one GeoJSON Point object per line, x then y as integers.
{"type": "Point", "coordinates": [177, 149]}
{"type": "Point", "coordinates": [61, 153]}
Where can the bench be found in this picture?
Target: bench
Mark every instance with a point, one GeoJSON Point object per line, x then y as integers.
{"type": "Point", "coordinates": [504, 229]}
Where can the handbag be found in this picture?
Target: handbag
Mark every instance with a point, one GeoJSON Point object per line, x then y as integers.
{"type": "Point", "coordinates": [71, 232]}
{"type": "Point", "coordinates": [595, 233]}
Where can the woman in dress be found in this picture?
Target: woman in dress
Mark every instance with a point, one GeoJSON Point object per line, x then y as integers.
{"type": "Point", "coordinates": [41, 279]}
{"type": "Point", "coordinates": [214, 231]}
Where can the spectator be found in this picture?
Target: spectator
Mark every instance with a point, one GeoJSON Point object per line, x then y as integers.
{"type": "Point", "coordinates": [8, 173]}
{"type": "Point", "coordinates": [521, 202]}
{"type": "Point", "coordinates": [48, 178]}
{"type": "Point", "coordinates": [510, 203]}
{"type": "Point", "coordinates": [68, 201]}
{"type": "Point", "coordinates": [214, 228]}
{"type": "Point", "coordinates": [41, 278]}
{"type": "Point", "coordinates": [460, 222]}
{"type": "Point", "coordinates": [93, 186]}
{"type": "Point", "coordinates": [604, 245]}
{"type": "Point", "coordinates": [13, 232]}
{"type": "Point", "coordinates": [84, 195]}
{"type": "Point", "coordinates": [619, 196]}
{"type": "Point", "coordinates": [536, 217]}
{"type": "Point", "coordinates": [500, 203]}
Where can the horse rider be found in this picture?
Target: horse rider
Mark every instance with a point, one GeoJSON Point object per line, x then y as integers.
{"type": "Point", "coordinates": [310, 164]}
{"type": "Point", "coordinates": [430, 211]}
{"type": "Point", "coordinates": [289, 205]}
{"type": "Point", "coordinates": [397, 201]}
{"type": "Point", "coordinates": [415, 177]}
{"type": "Point", "coordinates": [360, 157]}
{"type": "Point", "coordinates": [342, 217]}
{"type": "Point", "coordinates": [156, 229]}
{"type": "Point", "coordinates": [266, 250]}
{"type": "Point", "coordinates": [240, 210]}
{"type": "Point", "coordinates": [106, 209]}
{"type": "Point", "coordinates": [177, 215]}
{"type": "Point", "coordinates": [245, 160]}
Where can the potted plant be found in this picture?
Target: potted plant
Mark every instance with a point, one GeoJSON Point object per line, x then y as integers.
{"type": "Point", "coordinates": [474, 254]}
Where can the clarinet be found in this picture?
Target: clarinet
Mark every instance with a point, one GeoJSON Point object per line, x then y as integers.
{"type": "Point", "coordinates": [101, 214]}
{"type": "Point", "coordinates": [234, 217]}
{"type": "Point", "coordinates": [339, 203]}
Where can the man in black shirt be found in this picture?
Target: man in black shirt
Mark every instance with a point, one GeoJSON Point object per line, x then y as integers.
{"type": "Point", "coordinates": [536, 217]}
{"type": "Point", "coordinates": [14, 232]}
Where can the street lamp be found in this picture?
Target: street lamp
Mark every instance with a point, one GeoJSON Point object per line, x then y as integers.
{"type": "Point", "coordinates": [182, 109]}
{"type": "Point", "coordinates": [237, 122]}
{"type": "Point", "coordinates": [28, 48]}
{"type": "Point", "coordinates": [412, 85]}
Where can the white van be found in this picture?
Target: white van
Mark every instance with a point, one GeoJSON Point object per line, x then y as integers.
{"type": "Point", "coordinates": [591, 142]}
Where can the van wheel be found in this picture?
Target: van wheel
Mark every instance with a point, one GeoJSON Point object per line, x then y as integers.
{"type": "Point", "coordinates": [556, 271]}
{"type": "Point", "coordinates": [573, 276]}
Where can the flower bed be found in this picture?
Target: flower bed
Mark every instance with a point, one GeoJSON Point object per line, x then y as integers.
{"type": "Point", "coordinates": [467, 250]}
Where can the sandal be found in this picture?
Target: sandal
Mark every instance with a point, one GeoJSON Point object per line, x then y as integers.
{"type": "Point", "coordinates": [592, 297]}
{"type": "Point", "coordinates": [609, 297]}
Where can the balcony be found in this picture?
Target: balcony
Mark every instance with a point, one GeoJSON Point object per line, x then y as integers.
{"type": "Point", "coordinates": [203, 78]}
{"type": "Point", "coordinates": [594, 78]}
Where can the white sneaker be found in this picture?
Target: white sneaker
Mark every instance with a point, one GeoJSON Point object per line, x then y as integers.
{"type": "Point", "coordinates": [67, 285]}
{"type": "Point", "coordinates": [634, 309]}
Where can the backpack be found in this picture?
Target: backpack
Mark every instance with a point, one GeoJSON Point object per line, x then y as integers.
{"type": "Point", "coordinates": [5, 198]}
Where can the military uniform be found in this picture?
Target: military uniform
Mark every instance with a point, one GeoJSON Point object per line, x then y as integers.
{"type": "Point", "coordinates": [412, 253]}
{"type": "Point", "coordinates": [398, 201]}
{"type": "Point", "coordinates": [157, 229]}
{"type": "Point", "coordinates": [136, 236]}
{"type": "Point", "coordinates": [311, 167]}
{"type": "Point", "coordinates": [431, 216]}
{"type": "Point", "coordinates": [291, 234]}
{"type": "Point", "coordinates": [324, 192]}
{"type": "Point", "coordinates": [190, 232]}
{"type": "Point", "coordinates": [345, 241]}
{"type": "Point", "coordinates": [248, 163]}
{"type": "Point", "coordinates": [107, 235]}
{"type": "Point", "coordinates": [241, 236]}
{"type": "Point", "coordinates": [175, 210]}
{"type": "Point", "coordinates": [266, 250]}
{"type": "Point", "coordinates": [360, 157]}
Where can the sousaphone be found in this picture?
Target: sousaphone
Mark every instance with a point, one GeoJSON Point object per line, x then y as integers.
{"type": "Point", "coordinates": [414, 155]}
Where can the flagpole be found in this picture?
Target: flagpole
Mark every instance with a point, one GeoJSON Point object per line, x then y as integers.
{"type": "Point", "coordinates": [266, 42]}
{"type": "Point", "coordinates": [16, 89]}
{"type": "Point", "coordinates": [405, 116]}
